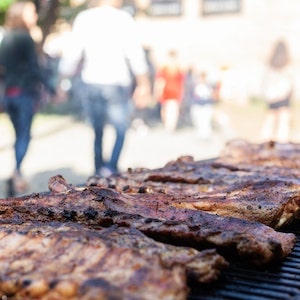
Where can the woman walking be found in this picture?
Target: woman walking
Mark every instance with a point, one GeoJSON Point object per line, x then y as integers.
{"type": "Point", "coordinates": [22, 78]}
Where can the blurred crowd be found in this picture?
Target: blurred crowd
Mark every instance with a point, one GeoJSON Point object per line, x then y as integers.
{"type": "Point", "coordinates": [114, 79]}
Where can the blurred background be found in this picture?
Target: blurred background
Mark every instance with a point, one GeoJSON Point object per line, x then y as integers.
{"type": "Point", "coordinates": [229, 40]}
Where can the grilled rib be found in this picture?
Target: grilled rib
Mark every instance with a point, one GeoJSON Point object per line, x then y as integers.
{"type": "Point", "coordinates": [69, 261]}
{"type": "Point", "coordinates": [263, 194]}
{"type": "Point", "coordinates": [250, 241]}
{"type": "Point", "coordinates": [154, 216]}
{"type": "Point", "coordinates": [266, 154]}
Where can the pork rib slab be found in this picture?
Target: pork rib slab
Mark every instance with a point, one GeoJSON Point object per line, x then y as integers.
{"type": "Point", "coordinates": [263, 194]}
{"type": "Point", "coordinates": [251, 241]}
{"type": "Point", "coordinates": [64, 261]}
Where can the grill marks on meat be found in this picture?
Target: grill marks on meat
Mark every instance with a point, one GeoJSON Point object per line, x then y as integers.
{"type": "Point", "coordinates": [120, 262]}
{"type": "Point", "coordinates": [255, 193]}
{"type": "Point", "coordinates": [251, 241]}
{"type": "Point", "coordinates": [70, 261]}
{"type": "Point", "coordinates": [201, 205]}
{"type": "Point", "coordinates": [201, 266]}
{"type": "Point", "coordinates": [78, 205]}
{"type": "Point", "coordinates": [274, 203]}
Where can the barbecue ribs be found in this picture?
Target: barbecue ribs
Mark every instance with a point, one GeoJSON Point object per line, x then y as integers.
{"type": "Point", "coordinates": [266, 154]}
{"type": "Point", "coordinates": [154, 216]}
{"type": "Point", "coordinates": [263, 194]}
{"type": "Point", "coordinates": [69, 261]}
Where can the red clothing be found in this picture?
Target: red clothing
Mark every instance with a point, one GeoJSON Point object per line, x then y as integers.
{"type": "Point", "coordinates": [173, 84]}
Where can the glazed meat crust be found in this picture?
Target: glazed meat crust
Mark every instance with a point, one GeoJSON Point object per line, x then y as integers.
{"type": "Point", "coordinates": [264, 154]}
{"type": "Point", "coordinates": [251, 241]}
{"type": "Point", "coordinates": [145, 234]}
{"type": "Point", "coordinates": [264, 194]}
{"type": "Point", "coordinates": [69, 261]}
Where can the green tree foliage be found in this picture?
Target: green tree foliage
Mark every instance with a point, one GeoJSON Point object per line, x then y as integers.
{"type": "Point", "coordinates": [4, 4]}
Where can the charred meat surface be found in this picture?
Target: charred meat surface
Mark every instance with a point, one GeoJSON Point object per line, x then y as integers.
{"type": "Point", "coordinates": [63, 261]}
{"type": "Point", "coordinates": [274, 203]}
{"type": "Point", "coordinates": [155, 217]}
{"type": "Point", "coordinates": [253, 242]}
{"type": "Point", "coordinates": [267, 154]}
{"type": "Point", "coordinates": [255, 193]}
{"type": "Point", "coordinates": [145, 234]}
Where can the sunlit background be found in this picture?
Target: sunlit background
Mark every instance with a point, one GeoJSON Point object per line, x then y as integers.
{"type": "Point", "coordinates": [230, 40]}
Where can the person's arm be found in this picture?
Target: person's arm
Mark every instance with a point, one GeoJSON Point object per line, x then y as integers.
{"type": "Point", "coordinates": [159, 85]}
{"type": "Point", "coordinates": [70, 60]}
{"type": "Point", "coordinates": [142, 93]}
{"type": "Point", "coordinates": [137, 62]}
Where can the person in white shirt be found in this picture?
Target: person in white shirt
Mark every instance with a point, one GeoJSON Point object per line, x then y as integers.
{"type": "Point", "coordinates": [105, 38]}
{"type": "Point", "coordinates": [277, 92]}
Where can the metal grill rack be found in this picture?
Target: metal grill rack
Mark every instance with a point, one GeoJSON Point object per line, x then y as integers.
{"type": "Point", "coordinates": [280, 282]}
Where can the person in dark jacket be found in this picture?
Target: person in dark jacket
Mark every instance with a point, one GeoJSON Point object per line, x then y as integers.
{"type": "Point", "coordinates": [22, 78]}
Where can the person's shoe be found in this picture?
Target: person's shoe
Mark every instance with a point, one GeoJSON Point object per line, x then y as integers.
{"type": "Point", "coordinates": [105, 172]}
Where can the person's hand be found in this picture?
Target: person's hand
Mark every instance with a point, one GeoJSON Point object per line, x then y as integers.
{"type": "Point", "coordinates": [62, 91]}
{"type": "Point", "coordinates": [142, 96]}
{"type": "Point", "coordinates": [142, 93]}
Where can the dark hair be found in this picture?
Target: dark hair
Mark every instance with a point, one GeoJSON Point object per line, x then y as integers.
{"type": "Point", "coordinates": [280, 55]}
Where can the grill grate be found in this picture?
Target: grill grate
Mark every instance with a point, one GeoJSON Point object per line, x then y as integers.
{"type": "Point", "coordinates": [238, 283]}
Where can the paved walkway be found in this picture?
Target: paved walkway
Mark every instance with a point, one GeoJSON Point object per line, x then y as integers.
{"type": "Point", "coordinates": [63, 145]}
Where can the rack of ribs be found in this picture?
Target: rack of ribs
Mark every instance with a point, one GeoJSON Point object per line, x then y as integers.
{"type": "Point", "coordinates": [252, 242]}
{"type": "Point", "coordinates": [267, 154]}
{"type": "Point", "coordinates": [70, 261]}
{"type": "Point", "coordinates": [254, 193]}
{"type": "Point", "coordinates": [153, 215]}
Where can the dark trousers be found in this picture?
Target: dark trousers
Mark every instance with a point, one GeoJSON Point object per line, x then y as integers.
{"type": "Point", "coordinates": [20, 110]}
{"type": "Point", "coordinates": [108, 104]}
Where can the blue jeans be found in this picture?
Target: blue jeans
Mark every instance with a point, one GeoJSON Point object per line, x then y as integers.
{"type": "Point", "coordinates": [20, 110]}
{"type": "Point", "coordinates": [108, 104]}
